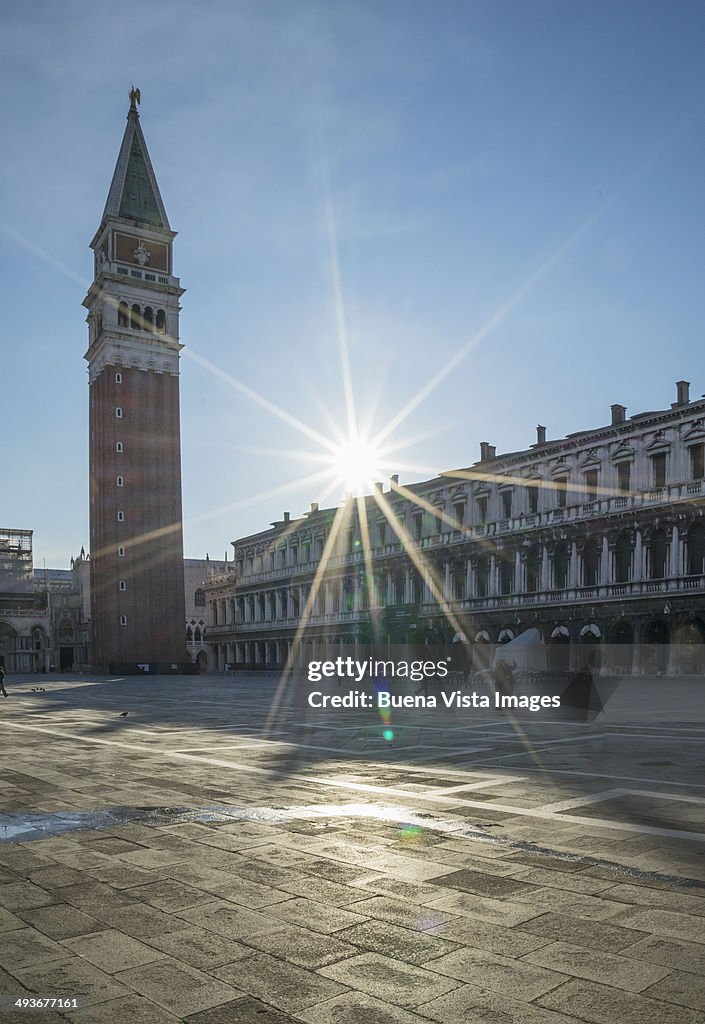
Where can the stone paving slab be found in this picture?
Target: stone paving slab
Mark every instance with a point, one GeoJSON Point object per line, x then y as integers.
{"type": "Point", "coordinates": [288, 900]}
{"type": "Point", "coordinates": [130, 1009]}
{"type": "Point", "coordinates": [497, 972]}
{"type": "Point", "coordinates": [475, 1004]}
{"type": "Point", "coordinates": [241, 1011]}
{"type": "Point", "coordinates": [176, 987]}
{"type": "Point", "coordinates": [595, 965]}
{"type": "Point", "coordinates": [356, 1007]}
{"type": "Point", "coordinates": [304, 947]}
{"type": "Point", "coordinates": [598, 1004]}
{"type": "Point", "coordinates": [60, 921]}
{"type": "Point", "coordinates": [389, 980]}
{"type": "Point", "coordinates": [280, 984]}
{"type": "Point", "coordinates": [112, 951]}
{"type": "Point", "coordinates": [70, 977]}
{"type": "Point", "coordinates": [199, 947]}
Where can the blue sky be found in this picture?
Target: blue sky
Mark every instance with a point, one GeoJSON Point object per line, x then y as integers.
{"type": "Point", "coordinates": [536, 167]}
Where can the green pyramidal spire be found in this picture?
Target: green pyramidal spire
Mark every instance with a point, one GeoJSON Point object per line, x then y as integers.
{"type": "Point", "coordinates": [134, 193]}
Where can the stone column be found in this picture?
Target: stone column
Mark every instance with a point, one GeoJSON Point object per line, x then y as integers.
{"type": "Point", "coordinates": [545, 569]}
{"type": "Point", "coordinates": [675, 554]}
{"type": "Point", "coordinates": [519, 583]}
{"type": "Point", "coordinates": [638, 573]}
{"type": "Point", "coordinates": [573, 577]}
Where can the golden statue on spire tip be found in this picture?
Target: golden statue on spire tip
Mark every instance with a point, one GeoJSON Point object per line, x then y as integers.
{"type": "Point", "coordinates": [135, 98]}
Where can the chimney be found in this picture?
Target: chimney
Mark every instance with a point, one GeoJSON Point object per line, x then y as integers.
{"type": "Point", "coordinates": [682, 392]}
{"type": "Point", "coordinates": [484, 451]}
{"type": "Point", "coordinates": [314, 506]}
{"type": "Point", "coordinates": [287, 517]}
{"type": "Point", "coordinates": [619, 414]}
{"type": "Point", "coordinates": [378, 486]}
{"type": "Point", "coordinates": [394, 480]}
{"type": "Point", "coordinates": [540, 435]}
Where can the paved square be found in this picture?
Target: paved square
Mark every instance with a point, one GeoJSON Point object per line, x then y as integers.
{"type": "Point", "coordinates": [221, 854]}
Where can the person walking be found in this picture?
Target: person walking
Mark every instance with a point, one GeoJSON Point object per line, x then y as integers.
{"type": "Point", "coordinates": [3, 691]}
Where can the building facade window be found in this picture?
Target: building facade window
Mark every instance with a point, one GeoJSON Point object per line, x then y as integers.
{"type": "Point", "coordinates": [118, 412]}
{"type": "Point", "coordinates": [121, 516]}
{"type": "Point", "coordinates": [123, 585]}
{"type": "Point", "coordinates": [119, 482]}
{"type": "Point", "coordinates": [506, 573]}
{"type": "Point", "coordinates": [459, 510]}
{"type": "Point", "coordinates": [657, 555]}
{"type": "Point", "coordinates": [697, 461]}
{"type": "Point", "coordinates": [481, 509]}
{"type": "Point", "coordinates": [658, 469]}
{"type": "Point", "coordinates": [695, 550]}
{"type": "Point", "coordinates": [199, 598]}
{"type": "Point", "coordinates": [591, 479]}
{"type": "Point", "coordinates": [561, 560]}
{"type": "Point", "coordinates": [417, 519]}
{"type": "Point", "coordinates": [624, 477]}
{"type": "Point", "coordinates": [591, 563]}
{"type": "Point", "coordinates": [123, 620]}
{"type": "Point", "coordinates": [118, 447]}
{"type": "Point", "coordinates": [533, 497]}
{"type": "Point", "coordinates": [123, 315]}
{"type": "Point", "coordinates": [623, 559]}
{"type": "Point", "coordinates": [121, 552]}
{"type": "Point", "coordinates": [506, 498]}
{"type": "Point", "coordinates": [561, 486]}
{"type": "Point", "coordinates": [118, 378]}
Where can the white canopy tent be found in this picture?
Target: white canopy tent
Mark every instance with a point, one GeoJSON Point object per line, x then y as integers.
{"type": "Point", "coordinates": [528, 651]}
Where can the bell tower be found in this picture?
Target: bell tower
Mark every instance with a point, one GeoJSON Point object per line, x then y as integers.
{"type": "Point", "coordinates": [137, 567]}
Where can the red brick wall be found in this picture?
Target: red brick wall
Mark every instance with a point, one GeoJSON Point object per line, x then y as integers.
{"type": "Point", "coordinates": [151, 533]}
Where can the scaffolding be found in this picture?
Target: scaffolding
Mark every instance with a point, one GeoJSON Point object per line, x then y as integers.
{"type": "Point", "coordinates": [16, 563]}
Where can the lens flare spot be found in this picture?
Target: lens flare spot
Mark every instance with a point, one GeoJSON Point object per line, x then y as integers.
{"type": "Point", "coordinates": [411, 833]}
{"type": "Point", "coordinates": [388, 734]}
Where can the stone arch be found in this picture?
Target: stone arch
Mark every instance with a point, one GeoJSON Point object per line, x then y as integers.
{"type": "Point", "coordinates": [689, 638]}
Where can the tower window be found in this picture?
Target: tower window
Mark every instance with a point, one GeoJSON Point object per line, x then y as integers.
{"type": "Point", "coordinates": [123, 315]}
{"type": "Point", "coordinates": [160, 322]}
{"type": "Point", "coordinates": [123, 585]}
{"type": "Point", "coordinates": [121, 552]}
{"type": "Point", "coordinates": [135, 317]}
{"type": "Point", "coordinates": [119, 482]}
{"type": "Point", "coordinates": [148, 319]}
{"type": "Point", "coordinates": [118, 378]}
{"type": "Point", "coordinates": [118, 446]}
{"type": "Point", "coordinates": [123, 620]}
{"type": "Point", "coordinates": [121, 516]}
{"type": "Point", "coordinates": [118, 412]}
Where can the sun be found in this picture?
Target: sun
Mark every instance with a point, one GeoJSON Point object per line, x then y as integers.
{"type": "Point", "coordinates": [357, 465]}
